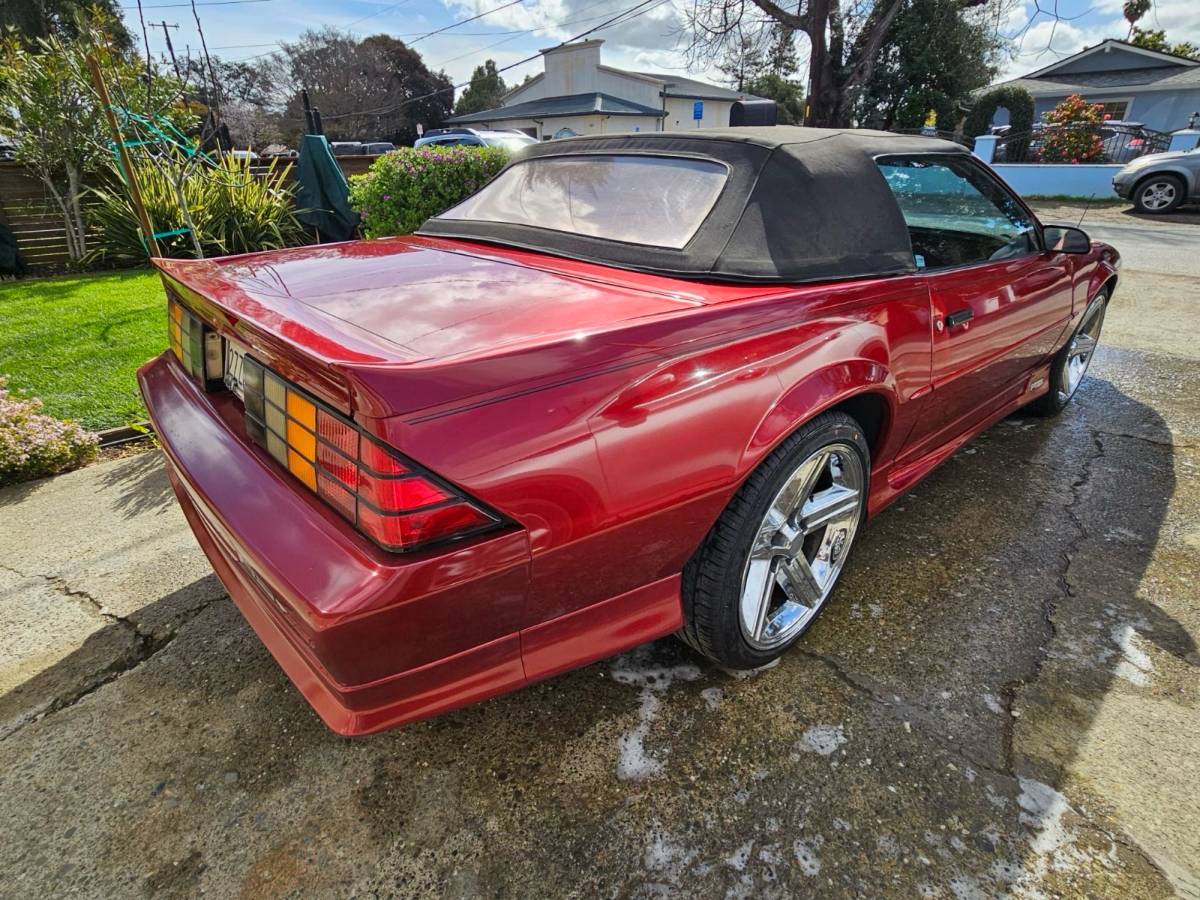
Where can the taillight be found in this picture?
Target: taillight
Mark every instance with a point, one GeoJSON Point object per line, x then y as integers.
{"type": "Point", "coordinates": [390, 499]}
{"type": "Point", "coordinates": [199, 348]}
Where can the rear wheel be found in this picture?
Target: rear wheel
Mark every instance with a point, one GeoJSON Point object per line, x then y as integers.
{"type": "Point", "coordinates": [1072, 361]}
{"type": "Point", "coordinates": [1159, 194]}
{"type": "Point", "coordinates": [773, 557]}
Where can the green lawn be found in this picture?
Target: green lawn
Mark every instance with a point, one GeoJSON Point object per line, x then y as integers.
{"type": "Point", "coordinates": [77, 342]}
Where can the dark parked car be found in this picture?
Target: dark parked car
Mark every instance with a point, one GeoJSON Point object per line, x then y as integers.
{"type": "Point", "coordinates": [360, 148]}
{"type": "Point", "coordinates": [635, 385]}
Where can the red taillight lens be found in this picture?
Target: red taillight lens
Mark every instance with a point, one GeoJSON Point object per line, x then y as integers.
{"type": "Point", "coordinates": [421, 527]}
{"type": "Point", "coordinates": [342, 468]}
{"type": "Point", "coordinates": [379, 460]}
{"type": "Point", "coordinates": [398, 494]}
{"type": "Point", "coordinates": [393, 503]}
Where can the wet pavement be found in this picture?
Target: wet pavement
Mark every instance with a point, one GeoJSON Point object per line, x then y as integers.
{"type": "Point", "coordinates": [1002, 699]}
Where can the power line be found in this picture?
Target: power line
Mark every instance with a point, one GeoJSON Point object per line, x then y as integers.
{"type": "Point", "coordinates": [465, 21]}
{"type": "Point", "coordinates": [420, 35]}
{"type": "Point", "coordinates": [543, 27]}
{"type": "Point", "coordinates": [386, 9]}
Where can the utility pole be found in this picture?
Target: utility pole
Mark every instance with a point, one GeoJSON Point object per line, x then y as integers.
{"type": "Point", "coordinates": [171, 50]}
{"type": "Point", "coordinates": [135, 193]}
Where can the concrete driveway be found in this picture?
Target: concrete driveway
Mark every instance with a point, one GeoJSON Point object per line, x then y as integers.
{"type": "Point", "coordinates": [1003, 698]}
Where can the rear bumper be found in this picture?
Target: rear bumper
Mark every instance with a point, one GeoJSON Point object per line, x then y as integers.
{"type": "Point", "coordinates": [371, 639]}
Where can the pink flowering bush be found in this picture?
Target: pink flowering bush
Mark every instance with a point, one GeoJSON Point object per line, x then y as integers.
{"type": "Point", "coordinates": [33, 444]}
{"type": "Point", "coordinates": [407, 186]}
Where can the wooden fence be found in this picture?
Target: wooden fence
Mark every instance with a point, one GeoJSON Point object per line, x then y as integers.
{"type": "Point", "coordinates": [30, 211]}
{"type": "Point", "coordinates": [28, 208]}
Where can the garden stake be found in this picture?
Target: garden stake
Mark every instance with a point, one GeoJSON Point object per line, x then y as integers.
{"type": "Point", "coordinates": [131, 176]}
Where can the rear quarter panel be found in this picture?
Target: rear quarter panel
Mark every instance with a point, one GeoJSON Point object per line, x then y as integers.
{"type": "Point", "coordinates": [619, 471]}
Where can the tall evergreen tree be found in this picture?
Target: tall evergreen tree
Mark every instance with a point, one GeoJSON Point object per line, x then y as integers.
{"type": "Point", "coordinates": [743, 61]}
{"type": "Point", "coordinates": [782, 60]}
{"type": "Point", "coordinates": [938, 55]}
{"type": "Point", "coordinates": [485, 91]}
{"type": "Point", "coordinates": [787, 93]}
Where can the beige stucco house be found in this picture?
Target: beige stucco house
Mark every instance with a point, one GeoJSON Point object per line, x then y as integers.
{"type": "Point", "coordinates": [579, 95]}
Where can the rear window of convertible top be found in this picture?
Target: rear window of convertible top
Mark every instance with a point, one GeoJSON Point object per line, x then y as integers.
{"type": "Point", "coordinates": [659, 201]}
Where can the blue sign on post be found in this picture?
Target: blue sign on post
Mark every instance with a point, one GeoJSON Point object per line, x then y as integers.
{"type": "Point", "coordinates": [698, 111]}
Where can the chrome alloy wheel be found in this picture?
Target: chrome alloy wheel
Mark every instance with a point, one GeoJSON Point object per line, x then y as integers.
{"type": "Point", "coordinates": [1079, 354]}
{"type": "Point", "coordinates": [1158, 195]}
{"type": "Point", "coordinates": [801, 545]}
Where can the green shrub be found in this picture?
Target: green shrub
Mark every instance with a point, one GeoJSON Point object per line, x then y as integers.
{"type": "Point", "coordinates": [33, 445]}
{"type": "Point", "coordinates": [1020, 106]}
{"type": "Point", "coordinates": [407, 186]}
{"type": "Point", "coordinates": [232, 210]}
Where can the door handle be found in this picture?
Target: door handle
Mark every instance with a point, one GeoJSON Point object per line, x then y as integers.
{"type": "Point", "coordinates": [959, 318]}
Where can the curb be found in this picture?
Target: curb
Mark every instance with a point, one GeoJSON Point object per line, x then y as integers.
{"type": "Point", "coordinates": [126, 434]}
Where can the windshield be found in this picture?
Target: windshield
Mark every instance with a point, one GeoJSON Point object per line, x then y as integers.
{"type": "Point", "coordinates": [652, 200]}
{"type": "Point", "coordinates": [509, 141]}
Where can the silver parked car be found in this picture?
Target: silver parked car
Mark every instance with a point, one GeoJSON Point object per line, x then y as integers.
{"type": "Point", "coordinates": [471, 137]}
{"type": "Point", "coordinates": [1160, 182]}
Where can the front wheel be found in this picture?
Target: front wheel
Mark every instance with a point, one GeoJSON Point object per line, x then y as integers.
{"type": "Point", "coordinates": [1159, 194]}
{"type": "Point", "coordinates": [1072, 361]}
{"type": "Point", "coordinates": [773, 557]}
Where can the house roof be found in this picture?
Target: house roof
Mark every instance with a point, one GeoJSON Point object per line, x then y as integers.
{"type": "Point", "coordinates": [677, 86]}
{"type": "Point", "coordinates": [1115, 44]}
{"type": "Point", "coordinates": [1123, 79]}
{"type": "Point", "coordinates": [1172, 73]}
{"type": "Point", "coordinates": [570, 105]}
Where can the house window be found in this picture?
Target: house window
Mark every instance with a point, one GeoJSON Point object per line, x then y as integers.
{"type": "Point", "coordinates": [1115, 109]}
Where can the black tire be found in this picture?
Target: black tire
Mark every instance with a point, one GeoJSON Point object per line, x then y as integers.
{"type": "Point", "coordinates": [1061, 392]}
{"type": "Point", "coordinates": [1154, 190]}
{"type": "Point", "coordinates": [712, 580]}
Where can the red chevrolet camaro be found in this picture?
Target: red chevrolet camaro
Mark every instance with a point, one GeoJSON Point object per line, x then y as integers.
{"type": "Point", "coordinates": [635, 385]}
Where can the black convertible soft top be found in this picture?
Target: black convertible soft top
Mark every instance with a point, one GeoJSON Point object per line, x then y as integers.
{"type": "Point", "coordinates": [799, 204]}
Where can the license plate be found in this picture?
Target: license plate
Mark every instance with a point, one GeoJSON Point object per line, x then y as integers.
{"type": "Point", "coordinates": [235, 360]}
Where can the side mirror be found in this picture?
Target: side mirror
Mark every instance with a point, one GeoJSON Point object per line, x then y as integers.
{"type": "Point", "coordinates": [1065, 239]}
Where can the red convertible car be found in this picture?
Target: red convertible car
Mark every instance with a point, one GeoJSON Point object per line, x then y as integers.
{"type": "Point", "coordinates": [635, 385]}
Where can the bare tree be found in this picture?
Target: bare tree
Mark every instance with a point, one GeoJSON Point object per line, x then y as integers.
{"type": "Point", "coordinates": [844, 38]}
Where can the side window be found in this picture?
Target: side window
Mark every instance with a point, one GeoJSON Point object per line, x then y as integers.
{"type": "Point", "coordinates": [956, 214]}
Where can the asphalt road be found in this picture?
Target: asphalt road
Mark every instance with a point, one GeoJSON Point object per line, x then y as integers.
{"type": "Point", "coordinates": [1164, 244]}
{"type": "Point", "coordinates": [1002, 699]}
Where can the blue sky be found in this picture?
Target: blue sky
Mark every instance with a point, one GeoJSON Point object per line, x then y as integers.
{"type": "Point", "coordinates": [652, 42]}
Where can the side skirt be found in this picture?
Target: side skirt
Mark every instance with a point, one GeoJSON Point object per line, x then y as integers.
{"type": "Point", "coordinates": [902, 478]}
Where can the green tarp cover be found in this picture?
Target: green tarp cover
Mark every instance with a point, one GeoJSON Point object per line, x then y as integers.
{"type": "Point", "coordinates": [323, 195]}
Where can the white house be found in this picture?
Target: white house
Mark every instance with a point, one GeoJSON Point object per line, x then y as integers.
{"type": "Point", "coordinates": [1160, 90]}
{"type": "Point", "coordinates": [579, 95]}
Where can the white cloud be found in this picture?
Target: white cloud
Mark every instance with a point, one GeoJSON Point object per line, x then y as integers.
{"type": "Point", "coordinates": [1040, 39]}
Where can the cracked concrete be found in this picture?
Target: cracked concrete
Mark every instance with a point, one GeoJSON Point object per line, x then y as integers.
{"type": "Point", "coordinates": [97, 573]}
{"type": "Point", "coordinates": [1001, 700]}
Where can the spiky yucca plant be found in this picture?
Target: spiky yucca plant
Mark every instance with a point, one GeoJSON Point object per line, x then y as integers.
{"type": "Point", "coordinates": [232, 209]}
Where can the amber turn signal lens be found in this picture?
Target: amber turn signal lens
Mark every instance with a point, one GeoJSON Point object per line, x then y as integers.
{"type": "Point", "coordinates": [393, 503]}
